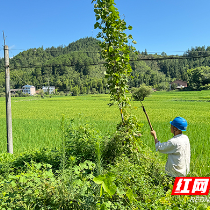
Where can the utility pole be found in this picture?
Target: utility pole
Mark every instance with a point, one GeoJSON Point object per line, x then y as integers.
{"type": "Point", "coordinates": [8, 100]}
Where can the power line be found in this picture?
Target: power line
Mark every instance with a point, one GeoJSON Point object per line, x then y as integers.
{"type": "Point", "coordinates": [20, 77]}
{"type": "Point", "coordinates": [55, 65]}
{"type": "Point", "coordinates": [163, 58]}
{"type": "Point", "coordinates": [171, 57]}
{"type": "Point", "coordinates": [61, 51]}
{"type": "Point", "coordinates": [100, 63]}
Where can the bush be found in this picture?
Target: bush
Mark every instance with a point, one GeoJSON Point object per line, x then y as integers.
{"type": "Point", "coordinates": [9, 164]}
{"type": "Point", "coordinates": [162, 86]}
{"type": "Point", "coordinates": [140, 93]}
{"type": "Point", "coordinates": [205, 87]}
{"type": "Point", "coordinates": [32, 189]}
{"type": "Point", "coordinates": [75, 91]}
{"type": "Point", "coordinates": [94, 91]}
{"type": "Point", "coordinates": [2, 94]}
{"type": "Point", "coordinates": [173, 86]}
{"type": "Point", "coordinates": [83, 142]}
{"type": "Point", "coordinates": [61, 93]}
{"type": "Point", "coordinates": [38, 188]}
{"type": "Point", "coordinates": [124, 141]}
{"type": "Point", "coordinates": [52, 179]}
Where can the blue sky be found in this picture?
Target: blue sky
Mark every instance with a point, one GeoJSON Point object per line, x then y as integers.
{"type": "Point", "coordinates": [158, 25]}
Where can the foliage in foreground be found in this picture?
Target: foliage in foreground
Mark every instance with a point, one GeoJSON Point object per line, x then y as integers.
{"type": "Point", "coordinates": [133, 179]}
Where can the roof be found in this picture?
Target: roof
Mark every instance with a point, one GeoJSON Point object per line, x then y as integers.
{"type": "Point", "coordinates": [28, 86]}
{"type": "Point", "coordinates": [178, 81]}
{"type": "Point", "coordinates": [50, 87]}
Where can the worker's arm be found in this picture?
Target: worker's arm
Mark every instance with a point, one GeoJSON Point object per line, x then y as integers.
{"type": "Point", "coordinates": [153, 133]}
{"type": "Point", "coordinates": [168, 147]}
{"type": "Point", "coordinates": [165, 147]}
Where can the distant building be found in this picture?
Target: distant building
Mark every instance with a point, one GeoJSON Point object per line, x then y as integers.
{"type": "Point", "coordinates": [179, 84]}
{"type": "Point", "coordinates": [51, 89]}
{"type": "Point", "coordinates": [30, 89]}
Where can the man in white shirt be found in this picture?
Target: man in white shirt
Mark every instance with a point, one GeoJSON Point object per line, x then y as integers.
{"type": "Point", "coordinates": [177, 148]}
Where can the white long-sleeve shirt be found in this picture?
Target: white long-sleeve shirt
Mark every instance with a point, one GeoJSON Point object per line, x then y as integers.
{"type": "Point", "coordinates": [178, 150]}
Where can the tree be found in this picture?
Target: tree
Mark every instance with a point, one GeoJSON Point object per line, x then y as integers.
{"type": "Point", "coordinates": [195, 78]}
{"type": "Point", "coordinates": [75, 91]}
{"type": "Point", "coordinates": [41, 93]}
{"type": "Point", "coordinates": [140, 93]}
{"type": "Point", "coordinates": [114, 50]}
{"type": "Point", "coordinates": [173, 86]}
{"type": "Point", "coordinates": [199, 77]}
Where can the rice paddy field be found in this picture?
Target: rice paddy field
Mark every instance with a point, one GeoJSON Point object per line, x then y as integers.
{"type": "Point", "coordinates": [36, 121]}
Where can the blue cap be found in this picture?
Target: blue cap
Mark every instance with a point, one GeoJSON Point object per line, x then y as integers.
{"type": "Point", "coordinates": [180, 123]}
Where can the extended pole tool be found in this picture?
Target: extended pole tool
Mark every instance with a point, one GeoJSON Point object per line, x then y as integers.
{"type": "Point", "coordinates": [147, 116]}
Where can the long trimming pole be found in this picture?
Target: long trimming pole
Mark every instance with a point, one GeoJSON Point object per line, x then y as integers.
{"type": "Point", "coordinates": [147, 116]}
{"type": "Point", "coordinates": [8, 101]}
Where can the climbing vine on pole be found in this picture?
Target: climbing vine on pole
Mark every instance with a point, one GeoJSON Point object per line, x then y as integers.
{"type": "Point", "coordinates": [115, 49]}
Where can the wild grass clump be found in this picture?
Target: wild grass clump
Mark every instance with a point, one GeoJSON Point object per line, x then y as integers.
{"type": "Point", "coordinates": [83, 142]}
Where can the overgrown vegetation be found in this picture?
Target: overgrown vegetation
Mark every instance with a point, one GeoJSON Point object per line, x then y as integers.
{"type": "Point", "coordinates": [63, 179]}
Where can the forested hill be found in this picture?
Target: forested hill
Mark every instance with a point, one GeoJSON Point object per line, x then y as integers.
{"type": "Point", "coordinates": [68, 68]}
{"type": "Point", "coordinates": [76, 68]}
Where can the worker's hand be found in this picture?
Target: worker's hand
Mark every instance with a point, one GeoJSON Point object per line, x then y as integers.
{"type": "Point", "coordinates": [153, 133]}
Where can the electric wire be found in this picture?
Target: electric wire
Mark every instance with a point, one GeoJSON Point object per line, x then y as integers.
{"type": "Point", "coordinates": [101, 63]}
{"type": "Point", "coordinates": [148, 57]}
{"type": "Point", "coordinates": [20, 77]}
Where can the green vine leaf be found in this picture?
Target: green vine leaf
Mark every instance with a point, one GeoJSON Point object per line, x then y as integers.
{"type": "Point", "coordinates": [130, 195]}
{"type": "Point", "coordinates": [107, 184]}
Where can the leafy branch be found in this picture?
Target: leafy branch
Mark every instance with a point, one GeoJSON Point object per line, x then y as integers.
{"type": "Point", "coordinates": [115, 50]}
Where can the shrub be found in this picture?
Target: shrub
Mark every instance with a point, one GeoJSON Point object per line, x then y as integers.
{"type": "Point", "coordinates": [2, 94]}
{"type": "Point", "coordinates": [38, 188]}
{"type": "Point", "coordinates": [10, 164]}
{"type": "Point", "coordinates": [83, 142]}
{"type": "Point", "coordinates": [205, 87]}
{"type": "Point", "coordinates": [140, 93]}
{"type": "Point", "coordinates": [124, 141]}
{"type": "Point", "coordinates": [75, 91]}
{"type": "Point", "coordinates": [173, 86]}
{"type": "Point", "coordinates": [94, 91]}
{"type": "Point", "coordinates": [134, 179]}
{"type": "Point", "coordinates": [61, 93]}
{"type": "Point", "coordinates": [30, 190]}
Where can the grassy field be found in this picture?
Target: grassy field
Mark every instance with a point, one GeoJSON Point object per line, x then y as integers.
{"type": "Point", "coordinates": [36, 121]}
